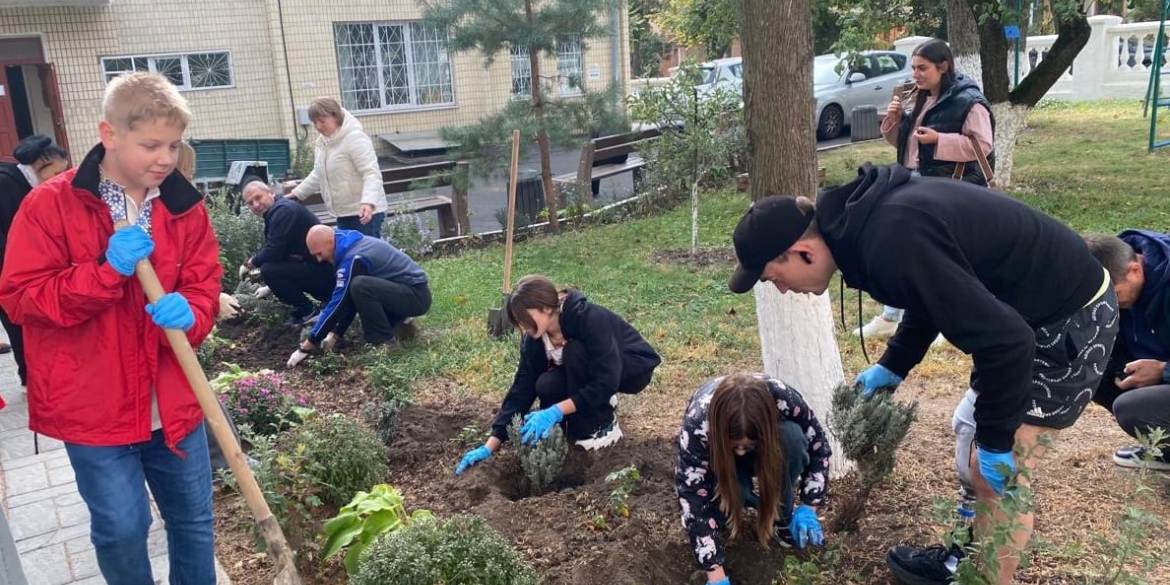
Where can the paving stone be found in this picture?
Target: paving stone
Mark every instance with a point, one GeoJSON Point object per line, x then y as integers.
{"type": "Point", "coordinates": [26, 479]}
{"type": "Point", "coordinates": [56, 537]}
{"type": "Point", "coordinates": [46, 566]}
{"type": "Point", "coordinates": [13, 419]}
{"type": "Point", "coordinates": [51, 493]}
{"type": "Point", "coordinates": [32, 520]}
{"type": "Point", "coordinates": [76, 546]}
{"type": "Point", "coordinates": [60, 475]}
{"type": "Point", "coordinates": [83, 564]}
{"type": "Point", "coordinates": [73, 515]}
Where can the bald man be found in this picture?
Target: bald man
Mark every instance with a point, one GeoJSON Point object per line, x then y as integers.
{"type": "Point", "coordinates": [285, 262]}
{"type": "Point", "coordinates": [374, 280]}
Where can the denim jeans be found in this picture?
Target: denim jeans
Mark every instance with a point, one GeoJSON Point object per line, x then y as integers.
{"type": "Point", "coordinates": [113, 481]}
{"type": "Point", "coordinates": [353, 222]}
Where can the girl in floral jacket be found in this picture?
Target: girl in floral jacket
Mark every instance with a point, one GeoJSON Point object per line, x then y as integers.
{"type": "Point", "coordinates": [741, 427]}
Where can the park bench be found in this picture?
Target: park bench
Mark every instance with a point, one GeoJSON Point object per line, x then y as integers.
{"type": "Point", "coordinates": [608, 156]}
{"type": "Point", "coordinates": [411, 189]}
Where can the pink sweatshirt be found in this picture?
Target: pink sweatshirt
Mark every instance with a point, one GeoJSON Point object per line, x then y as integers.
{"type": "Point", "coordinates": [951, 147]}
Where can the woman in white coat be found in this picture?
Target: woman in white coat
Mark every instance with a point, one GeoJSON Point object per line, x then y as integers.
{"type": "Point", "coordinates": [345, 170]}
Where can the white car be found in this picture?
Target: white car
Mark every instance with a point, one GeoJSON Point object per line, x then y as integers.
{"type": "Point", "coordinates": [838, 88]}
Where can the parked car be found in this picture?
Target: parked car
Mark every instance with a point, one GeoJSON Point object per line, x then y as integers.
{"type": "Point", "coordinates": [839, 88]}
{"type": "Point", "coordinates": [726, 73]}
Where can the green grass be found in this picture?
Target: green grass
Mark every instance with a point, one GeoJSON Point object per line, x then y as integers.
{"type": "Point", "coordinates": [1085, 164]}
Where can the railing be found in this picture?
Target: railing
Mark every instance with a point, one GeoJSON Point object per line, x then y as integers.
{"type": "Point", "coordinates": [1115, 63]}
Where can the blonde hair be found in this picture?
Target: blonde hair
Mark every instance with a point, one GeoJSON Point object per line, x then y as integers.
{"type": "Point", "coordinates": [186, 162]}
{"type": "Point", "coordinates": [143, 97]}
{"type": "Point", "coordinates": [325, 107]}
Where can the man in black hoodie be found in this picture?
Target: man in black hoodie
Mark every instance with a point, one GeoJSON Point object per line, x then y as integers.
{"type": "Point", "coordinates": [1010, 286]}
{"type": "Point", "coordinates": [285, 262]}
{"type": "Point", "coordinates": [1136, 388]}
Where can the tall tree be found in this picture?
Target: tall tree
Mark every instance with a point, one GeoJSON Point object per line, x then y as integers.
{"type": "Point", "coordinates": [796, 330]}
{"type": "Point", "coordinates": [963, 36]}
{"type": "Point", "coordinates": [495, 26]}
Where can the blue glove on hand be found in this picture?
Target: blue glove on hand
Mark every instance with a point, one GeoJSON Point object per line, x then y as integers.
{"type": "Point", "coordinates": [172, 311]}
{"type": "Point", "coordinates": [875, 377]}
{"type": "Point", "coordinates": [805, 527]}
{"type": "Point", "coordinates": [127, 246]}
{"type": "Point", "coordinates": [991, 467]}
{"type": "Point", "coordinates": [472, 457]}
{"type": "Point", "coordinates": [723, 581]}
{"type": "Point", "coordinates": [538, 424]}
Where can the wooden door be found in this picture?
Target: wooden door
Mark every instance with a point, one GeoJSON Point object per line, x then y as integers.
{"type": "Point", "coordinates": [52, 93]}
{"type": "Point", "coordinates": [8, 135]}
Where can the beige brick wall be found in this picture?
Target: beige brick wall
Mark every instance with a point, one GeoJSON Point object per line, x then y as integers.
{"type": "Point", "coordinates": [76, 39]}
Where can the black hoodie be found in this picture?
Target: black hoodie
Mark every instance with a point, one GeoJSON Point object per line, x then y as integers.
{"type": "Point", "coordinates": [615, 350]}
{"type": "Point", "coordinates": [13, 189]}
{"type": "Point", "coordinates": [978, 266]}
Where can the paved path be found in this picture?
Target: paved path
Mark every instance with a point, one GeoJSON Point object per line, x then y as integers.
{"type": "Point", "coordinates": [39, 495]}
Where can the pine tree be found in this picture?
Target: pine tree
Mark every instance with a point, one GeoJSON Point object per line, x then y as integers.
{"type": "Point", "coordinates": [542, 461]}
{"type": "Point", "coordinates": [495, 26]}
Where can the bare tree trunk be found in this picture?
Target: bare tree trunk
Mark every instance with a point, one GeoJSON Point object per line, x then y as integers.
{"type": "Point", "coordinates": [963, 36]}
{"type": "Point", "coordinates": [796, 331]}
{"type": "Point", "coordinates": [550, 196]}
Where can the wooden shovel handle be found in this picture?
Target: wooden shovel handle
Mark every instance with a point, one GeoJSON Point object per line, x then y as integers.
{"type": "Point", "coordinates": [278, 548]}
{"type": "Point", "coordinates": [511, 212]}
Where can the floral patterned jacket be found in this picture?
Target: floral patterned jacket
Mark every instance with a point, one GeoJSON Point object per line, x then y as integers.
{"type": "Point", "coordinates": [695, 481]}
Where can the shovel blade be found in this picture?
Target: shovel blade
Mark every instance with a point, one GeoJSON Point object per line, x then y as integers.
{"type": "Point", "coordinates": [497, 323]}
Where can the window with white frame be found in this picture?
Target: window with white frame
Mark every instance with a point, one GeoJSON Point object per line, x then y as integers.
{"type": "Point", "coordinates": [521, 73]}
{"type": "Point", "coordinates": [570, 66]}
{"type": "Point", "coordinates": [188, 71]}
{"type": "Point", "coordinates": [393, 66]}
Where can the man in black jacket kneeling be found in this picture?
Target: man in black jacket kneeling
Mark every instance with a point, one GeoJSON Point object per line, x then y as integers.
{"type": "Point", "coordinates": [285, 263]}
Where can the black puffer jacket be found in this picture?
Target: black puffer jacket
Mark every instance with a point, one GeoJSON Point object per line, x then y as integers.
{"type": "Point", "coordinates": [947, 117]}
{"type": "Point", "coordinates": [616, 352]}
{"type": "Point", "coordinates": [13, 189]}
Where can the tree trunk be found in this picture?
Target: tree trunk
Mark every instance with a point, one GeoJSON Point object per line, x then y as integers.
{"type": "Point", "coordinates": [963, 36]}
{"type": "Point", "coordinates": [796, 331]}
{"type": "Point", "coordinates": [550, 195]}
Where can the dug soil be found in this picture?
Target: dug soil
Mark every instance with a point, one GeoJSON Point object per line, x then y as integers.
{"type": "Point", "coordinates": [572, 538]}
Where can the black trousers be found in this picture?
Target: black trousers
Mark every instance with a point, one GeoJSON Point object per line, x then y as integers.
{"type": "Point", "coordinates": [382, 304]}
{"type": "Point", "coordinates": [291, 281]}
{"type": "Point", "coordinates": [1137, 410]}
{"type": "Point", "coordinates": [16, 340]}
{"type": "Point", "coordinates": [564, 381]}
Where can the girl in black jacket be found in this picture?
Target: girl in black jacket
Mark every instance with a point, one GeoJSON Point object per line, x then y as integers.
{"type": "Point", "coordinates": [38, 161]}
{"type": "Point", "coordinates": [575, 357]}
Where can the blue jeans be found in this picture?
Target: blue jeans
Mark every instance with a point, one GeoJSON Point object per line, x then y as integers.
{"type": "Point", "coordinates": [353, 222]}
{"type": "Point", "coordinates": [794, 445]}
{"type": "Point", "coordinates": [113, 480]}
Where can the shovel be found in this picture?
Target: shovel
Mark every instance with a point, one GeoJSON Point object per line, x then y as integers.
{"type": "Point", "coordinates": [278, 549]}
{"type": "Point", "coordinates": [497, 322]}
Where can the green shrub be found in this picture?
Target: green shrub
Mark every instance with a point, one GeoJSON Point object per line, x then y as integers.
{"type": "Point", "coordinates": [462, 550]}
{"type": "Point", "coordinates": [543, 461]}
{"type": "Point", "coordinates": [365, 518]}
{"type": "Point", "coordinates": [267, 312]}
{"type": "Point", "coordinates": [263, 401]}
{"type": "Point", "coordinates": [343, 456]}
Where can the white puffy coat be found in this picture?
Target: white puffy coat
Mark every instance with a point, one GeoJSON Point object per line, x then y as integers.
{"type": "Point", "coordinates": [345, 171]}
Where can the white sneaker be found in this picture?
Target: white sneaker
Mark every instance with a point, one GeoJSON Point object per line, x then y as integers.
{"type": "Point", "coordinates": [603, 438]}
{"type": "Point", "coordinates": [878, 328]}
{"type": "Point", "coordinates": [613, 401]}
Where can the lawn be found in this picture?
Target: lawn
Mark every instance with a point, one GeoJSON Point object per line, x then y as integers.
{"type": "Point", "coordinates": [1085, 164]}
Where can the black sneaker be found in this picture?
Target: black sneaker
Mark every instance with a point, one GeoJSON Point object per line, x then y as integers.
{"type": "Point", "coordinates": [303, 320]}
{"type": "Point", "coordinates": [1132, 457]}
{"type": "Point", "coordinates": [923, 566]}
{"type": "Point", "coordinates": [603, 438]}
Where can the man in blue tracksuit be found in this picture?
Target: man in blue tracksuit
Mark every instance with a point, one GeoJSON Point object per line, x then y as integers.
{"type": "Point", "coordinates": [1136, 385]}
{"type": "Point", "coordinates": [375, 281]}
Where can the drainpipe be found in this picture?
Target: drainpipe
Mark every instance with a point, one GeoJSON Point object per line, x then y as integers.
{"type": "Point", "coordinates": [615, 39]}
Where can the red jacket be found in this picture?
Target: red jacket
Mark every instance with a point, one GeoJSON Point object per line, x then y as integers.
{"type": "Point", "coordinates": [93, 352]}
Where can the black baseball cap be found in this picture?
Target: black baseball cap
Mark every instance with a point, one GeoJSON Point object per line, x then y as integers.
{"type": "Point", "coordinates": [770, 226]}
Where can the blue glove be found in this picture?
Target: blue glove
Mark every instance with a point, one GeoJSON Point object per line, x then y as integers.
{"type": "Point", "coordinates": [991, 467]}
{"type": "Point", "coordinates": [805, 527]}
{"type": "Point", "coordinates": [723, 581]}
{"type": "Point", "coordinates": [127, 246]}
{"type": "Point", "coordinates": [172, 311]}
{"type": "Point", "coordinates": [472, 457]}
{"type": "Point", "coordinates": [538, 424]}
{"type": "Point", "coordinates": [875, 377]}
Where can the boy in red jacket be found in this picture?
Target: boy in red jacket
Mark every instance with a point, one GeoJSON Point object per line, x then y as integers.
{"type": "Point", "coordinates": [101, 376]}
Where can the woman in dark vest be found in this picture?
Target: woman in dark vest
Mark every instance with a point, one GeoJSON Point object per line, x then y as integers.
{"type": "Point", "coordinates": [934, 135]}
{"type": "Point", "coordinates": [38, 160]}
